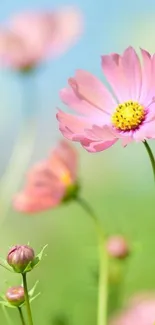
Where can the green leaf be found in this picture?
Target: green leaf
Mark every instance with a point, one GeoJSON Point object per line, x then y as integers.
{"type": "Point", "coordinates": [36, 261]}
{"type": "Point", "coordinates": [6, 304]}
{"type": "Point", "coordinates": [31, 299]}
{"type": "Point", "coordinates": [38, 257]}
{"type": "Point", "coordinates": [28, 268]}
{"type": "Point", "coordinates": [8, 319]}
{"type": "Point", "coordinates": [3, 297]}
{"type": "Point", "coordinates": [4, 264]}
{"type": "Point", "coordinates": [31, 292]}
{"type": "Point", "coordinates": [36, 296]}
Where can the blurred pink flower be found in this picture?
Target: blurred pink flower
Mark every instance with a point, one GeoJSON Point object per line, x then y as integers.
{"type": "Point", "coordinates": [48, 182]}
{"type": "Point", "coordinates": [117, 246]}
{"type": "Point", "coordinates": [13, 51]}
{"type": "Point", "coordinates": [34, 36]}
{"type": "Point", "coordinates": [102, 118]}
{"type": "Point", "coordinates": [140, 311]}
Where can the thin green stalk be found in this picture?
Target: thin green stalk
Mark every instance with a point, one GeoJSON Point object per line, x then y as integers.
{"type": "Point", "coordinates": [8, 319]}
{"type": "Point", "coordinates": [15, 170]}
{"type": "Point", "coordinates": [21, 316]}
{"type": "Point", "coordinates": [103, 265]}
{"type": "Point", "coordinates": [27, 302]}
{"type": "Point", "coordinates": [103, 284]}
{"type": "Point", "coordinates": [151, 156]}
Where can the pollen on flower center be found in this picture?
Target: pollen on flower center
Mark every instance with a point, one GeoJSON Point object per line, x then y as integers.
{"type": "Point", "coordinates": [128, 116]}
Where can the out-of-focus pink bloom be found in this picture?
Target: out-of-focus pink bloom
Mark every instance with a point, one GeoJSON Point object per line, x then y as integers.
{"type": "Point", "coordinates": [48, 182]}
{"type": "Point", "coordinates": [102, 118]}
{"type": "Point", "coordinates": [67, 30]}
{"type": "Point", "coordinates": [13, 51]}
{"type": "Point", "coordinates": [117, 247]}
{"type": "Point", "coordinates": [140, 311]}
{"type": "Point", "coordinates": [34, 36]}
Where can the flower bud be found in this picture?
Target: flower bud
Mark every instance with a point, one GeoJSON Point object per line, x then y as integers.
{"type": "Point", "coordinates": [19, 257]}
{"type": "Point", "coordinates": [15, 296]}
{"type": "Point", "coordinates": [117, 247]}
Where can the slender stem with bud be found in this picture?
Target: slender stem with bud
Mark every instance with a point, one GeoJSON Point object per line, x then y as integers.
{"type": "Point", "coordinates": [27, 302]}
{"type": "Point", "coordinates": [21, 316]}
{"type": "Point", "coordinates": [103, 265]}
{"type": "Point", "coordinates": [151, 156]}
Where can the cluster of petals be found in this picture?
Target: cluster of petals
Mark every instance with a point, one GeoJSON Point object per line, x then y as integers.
{"type": "Point", "coordinates": [130, 80]}
{"type": "Point", "coordinates": [48, 181]}
{"type": "Point", "coordinates": [140, 310]}
{"type": "Point", "coordinates": [31, 37]}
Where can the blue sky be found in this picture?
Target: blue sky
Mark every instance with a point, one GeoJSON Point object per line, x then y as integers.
{"type": "Point", "coordinates": [110, 26]}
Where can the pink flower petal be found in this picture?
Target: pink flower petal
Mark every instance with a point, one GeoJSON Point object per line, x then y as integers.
{"type": "Point", "coordinates": [72, 127]}
{"type": "Point", "coordinates": [123, 74]}
{"type": "Point", "coordinates": [97, 146]}
{"type": "Point", "coordinates": [44, 184]}
{"type": "Point", "coordinates": [29, 204]}
{"type": "Point", "coordinates": [89, 88]}
{"type": "Point", "coordinates": [81, 106]}
{"type": "Point", "coordinates": [126, 141]}
{"type": "Point", "coordinates": [105, 133]}
{"type": "Point", "coordinates": [113, 70]}
{"type": "Point", "coordinates": [69, 25]}
{"type": "Point", "coordinates": [132, 71]}
{"type": "Point", "coordinates": [42, 189]}
{"type": "Point", "coordinates": [33, 29]}
{"type": "Point", "coordinates": [64, 159]}
{"type": "Point", "coordinates": [150, 116]}
{"type": "Point", "coordinates": [98, 138]}
{"type": "Point", "coordinates": [137, 312]}
{"type": "Point", "coordinates": [146, 77]}
{"type": "Point", "coordinates": [146, 131]}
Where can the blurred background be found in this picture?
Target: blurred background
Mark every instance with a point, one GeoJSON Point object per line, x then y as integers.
{"type": "Point", "coordinates": [118, 182]}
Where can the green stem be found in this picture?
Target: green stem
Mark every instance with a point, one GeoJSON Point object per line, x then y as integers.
{"type": "Point", "coordinates": [21, 316]}
{"type": "Point", "coordinates": [27, 302]}
{"type": "Point", "coordinates": [16, 168]}
{"type": "Point", "coordinates": [103, 265]}
{"type": "Point", "coordinates": [151, 156]}
{"type": "Point", "coordinates": [24, 146]}
{"type": "Point", "coordinates": [8, 319]}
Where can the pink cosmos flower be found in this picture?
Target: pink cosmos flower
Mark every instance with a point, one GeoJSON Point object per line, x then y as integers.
{"type": "Point", "coordinates": [103, 117]}
{"type": "Point", "coordinates": [48, 182]}
{"type": "Point", "coordinates": [141, 310]}
{"type": "Point", "coordinates": [34, 36]}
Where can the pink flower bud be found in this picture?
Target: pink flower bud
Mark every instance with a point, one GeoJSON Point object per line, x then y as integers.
{"type": "Point", "coordinates": [15, 295]}
{"type": "Point", "coordinates": [19, 257]}
{"type": "Point", "coordinates": [117, 247]}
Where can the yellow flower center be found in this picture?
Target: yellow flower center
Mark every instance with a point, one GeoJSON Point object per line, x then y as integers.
{"type": "Point", "coordinates": [128, 116]}
{"type": "Point", "coordinates": [66, 178]}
